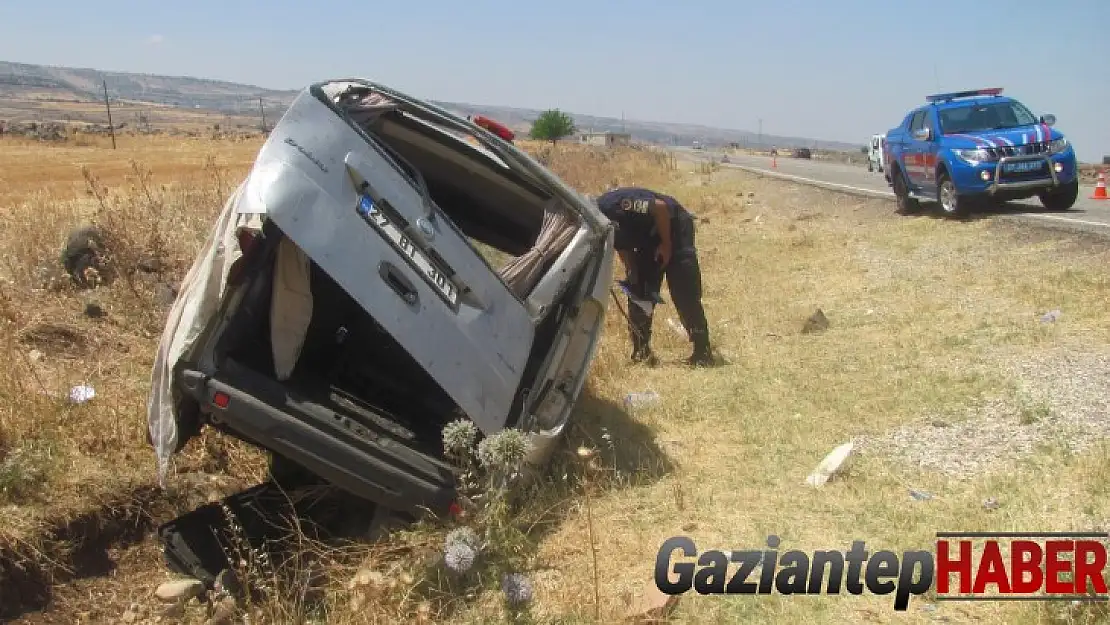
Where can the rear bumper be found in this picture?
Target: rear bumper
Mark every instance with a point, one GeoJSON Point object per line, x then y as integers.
{"type": "Point", "coordinates": [374, 466]}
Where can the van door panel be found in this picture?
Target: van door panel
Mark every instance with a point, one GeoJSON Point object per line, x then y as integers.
{"type": "Point", "coordinates": [478, 350]}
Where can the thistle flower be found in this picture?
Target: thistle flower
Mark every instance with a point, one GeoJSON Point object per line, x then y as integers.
{"type": "Point", "coordinates": [517, 589]}
{"type": "Point", "coordinates": [459, 436]}
{"type": "Point", "coordinates": [463, 536]}
{"type": "Point", "coordinates": [503, 450]}
{"type": "Point", "coordinates": [459, 557]}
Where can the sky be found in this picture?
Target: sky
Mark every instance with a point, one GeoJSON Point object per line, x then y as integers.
{"type": "Point", "coordinates": [822, 69]}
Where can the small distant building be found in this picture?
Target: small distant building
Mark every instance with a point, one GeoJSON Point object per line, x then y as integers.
{"type": "Point", "coordinates": [606, 139]}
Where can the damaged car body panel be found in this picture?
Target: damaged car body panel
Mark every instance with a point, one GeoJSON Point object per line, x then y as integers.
{"type": "Point", "coordinates": [341, 312]}
{"type": "Point", "coordinates": [392, 275]}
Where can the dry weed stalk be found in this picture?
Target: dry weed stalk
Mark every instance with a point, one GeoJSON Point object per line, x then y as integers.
{"type": "Point", "coordinates": [588, 455]}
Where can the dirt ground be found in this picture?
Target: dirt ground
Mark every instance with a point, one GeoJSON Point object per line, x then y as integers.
{"type": "Point", "coordinates": [970, 408]}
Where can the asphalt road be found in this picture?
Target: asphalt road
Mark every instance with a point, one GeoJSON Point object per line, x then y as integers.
{"type": "Point", "coordinates": [1087, 214]}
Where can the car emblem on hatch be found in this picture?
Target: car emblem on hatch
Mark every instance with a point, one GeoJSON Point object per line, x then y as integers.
{"type": "Point", "coordinates": [425, 227]}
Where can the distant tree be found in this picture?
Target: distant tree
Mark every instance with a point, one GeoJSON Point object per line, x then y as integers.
{"type": "Point", "coordinates": [864, 149]}
{"type": "Point", "coordinates": [552, 125]}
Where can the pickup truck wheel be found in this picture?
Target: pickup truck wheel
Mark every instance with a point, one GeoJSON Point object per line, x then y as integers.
{"type": "Point", "coordinates": [949, 198]}
{"type": "Point", "coordinates": [1063, 198]}
{"type": "Point", "coordinates": [906, 204]}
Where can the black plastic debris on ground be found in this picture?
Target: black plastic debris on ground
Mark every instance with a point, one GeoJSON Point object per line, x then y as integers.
{"type": "Point", "coordinates": [268, 519]}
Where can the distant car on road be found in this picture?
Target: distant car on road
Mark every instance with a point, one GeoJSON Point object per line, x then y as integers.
{"type": "Point", "coordinates": [875, 153]}
{"type": "Point", "coordinates": [973, 146]}
{"type": "Point", "coordinates": [802, 153]}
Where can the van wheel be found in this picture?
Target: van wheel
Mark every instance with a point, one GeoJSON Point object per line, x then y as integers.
{"type": "Point", "coordinates": [906, 204]}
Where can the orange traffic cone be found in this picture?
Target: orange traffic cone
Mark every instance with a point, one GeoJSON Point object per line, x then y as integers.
{"type": "Point", "coordinates": [1100, 187]}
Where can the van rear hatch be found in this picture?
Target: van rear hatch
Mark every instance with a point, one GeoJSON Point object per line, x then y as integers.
{"type": "Point", "coordinates": [340, 197]}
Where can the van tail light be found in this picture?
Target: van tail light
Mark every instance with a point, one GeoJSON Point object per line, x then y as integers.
{"type": "Point", "coordinates": [221, 400]}
{"type": "Point", "coordinates": [496, 128]}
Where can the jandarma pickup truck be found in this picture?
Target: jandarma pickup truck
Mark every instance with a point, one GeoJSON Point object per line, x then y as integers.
{"type": "Point", "coordinates": [979, 146]}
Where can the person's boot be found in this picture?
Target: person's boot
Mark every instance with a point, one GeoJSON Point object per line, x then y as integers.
{"type": "Point", "coordinates": [641, 353]}
{"type": "Point", "coordinates": [702, 356]}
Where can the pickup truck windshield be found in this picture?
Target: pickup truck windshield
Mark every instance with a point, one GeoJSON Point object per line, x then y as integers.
{"type": "Point", "coordinates": [982, 117]}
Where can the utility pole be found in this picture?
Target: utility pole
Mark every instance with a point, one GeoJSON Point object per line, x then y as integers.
{"type": "Point", "coordinates": [108, 105]}
{"type": "Point", "coordinates": [262, 110]}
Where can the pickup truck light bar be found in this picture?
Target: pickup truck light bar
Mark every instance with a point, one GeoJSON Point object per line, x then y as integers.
{"type": "Point", "coordinates": [944, 97]}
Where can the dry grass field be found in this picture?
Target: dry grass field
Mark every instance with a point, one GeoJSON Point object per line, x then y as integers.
{"type": "Point", "coordinates": [48, 107]}
{"type": "Point", "coordinates": [34, 172]}
{"type": "Point", "coordinates": [935, 362]}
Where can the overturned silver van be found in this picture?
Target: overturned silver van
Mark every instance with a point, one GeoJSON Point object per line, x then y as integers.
{"type": "Point", "coordinates": [347, 303]}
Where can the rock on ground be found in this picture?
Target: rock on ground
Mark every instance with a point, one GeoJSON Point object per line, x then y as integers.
{"type": "Point", "coordinates": [179, 590]}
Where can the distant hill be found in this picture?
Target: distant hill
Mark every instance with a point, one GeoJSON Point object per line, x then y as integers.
{"type": "Point", "coordinates": [21, 80]}
{"type": "Point", "coordinates": [650, 132]}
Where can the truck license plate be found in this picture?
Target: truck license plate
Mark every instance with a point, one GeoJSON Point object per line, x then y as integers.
{"type": "Point", "coordinates": [1022, 167]}
{"type": "Point", "coordinates": [436, 276]}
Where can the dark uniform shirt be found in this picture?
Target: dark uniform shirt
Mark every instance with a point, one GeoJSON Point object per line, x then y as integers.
{"type": "Point", "coordinates": [631, 210]}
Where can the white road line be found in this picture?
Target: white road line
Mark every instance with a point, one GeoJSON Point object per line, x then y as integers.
{"type": "Point", "coordinates": [888, 194]}
{"type": "Point", "coordinates": [1099, 224]}
{"type": "Point", "coordinates": [814, 182]}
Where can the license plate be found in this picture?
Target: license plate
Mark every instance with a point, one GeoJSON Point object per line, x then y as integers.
{"type": "Point", "coordinates": [436, 276]}
{"type": "Point", "coordinates": [1022, 167]}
